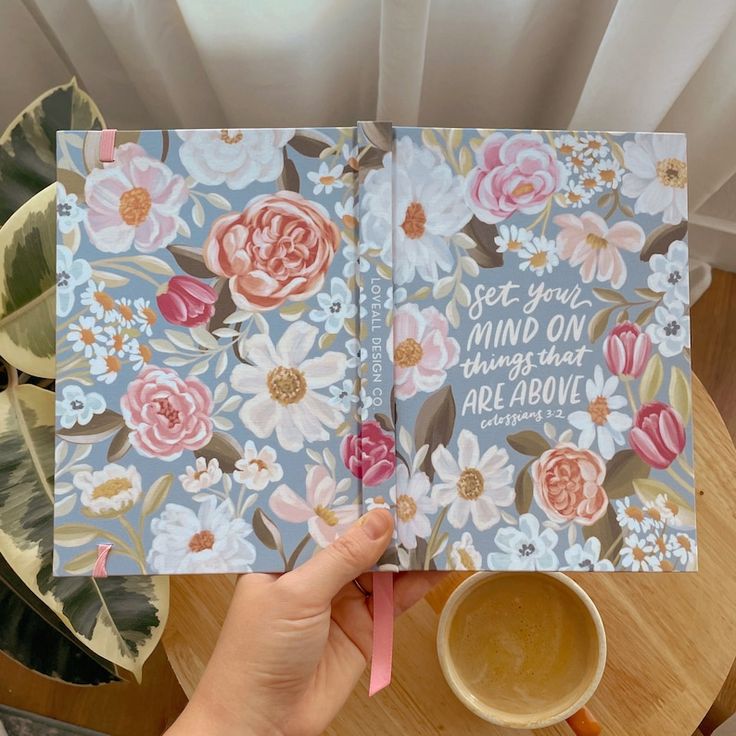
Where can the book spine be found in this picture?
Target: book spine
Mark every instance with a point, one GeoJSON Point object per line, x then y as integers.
{"type": "Point", "coordinates": [374, 276]}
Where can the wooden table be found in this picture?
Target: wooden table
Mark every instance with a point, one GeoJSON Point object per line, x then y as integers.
{"type": "Point", "coordinates": [671, 638]}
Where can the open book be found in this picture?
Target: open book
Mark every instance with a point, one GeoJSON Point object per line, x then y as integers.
{"type": "Point", "coordinates": [264, 333]}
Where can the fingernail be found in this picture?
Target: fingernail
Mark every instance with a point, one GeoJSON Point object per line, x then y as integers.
{"type": "Point", "coordinates": [375, 524]}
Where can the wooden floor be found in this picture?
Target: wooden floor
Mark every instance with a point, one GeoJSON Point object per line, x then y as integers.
{"type": "Point", "coordinates": [146, 709]}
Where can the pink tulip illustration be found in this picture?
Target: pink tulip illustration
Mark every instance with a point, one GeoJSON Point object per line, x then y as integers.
{"type": "Point", "coordinates": [186, 301]}
{"type": "Point", "coordinates": [627, 350]}
{"type": "Point", "coordinates": [658, 434]}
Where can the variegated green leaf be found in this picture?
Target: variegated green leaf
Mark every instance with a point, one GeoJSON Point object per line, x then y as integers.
{"type": "Point", "coordinates": [119, 618]}
{"type": "Point", "coordinates": [28, 286]}
{"type": "Point", "coordinates": [33, 635]}
{"type": "Point", "coordinates": [28, 145]}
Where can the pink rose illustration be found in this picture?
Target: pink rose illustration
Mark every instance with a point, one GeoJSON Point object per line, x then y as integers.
{"type": "Point", "coordinates": [186, 301]}
{"type": "Point", "coordinates": [280, 247]}
{"type": "Point", "coordinates": [588, 242]}
{"type": "Point", "coordinates": [658, 434]}
{"type": "Point", "coordinates": [421, 350]}
{"type": "Point", "coordinates": [133, 202]}
{"type": "Point", "coordinates": [370, 455]}
{"type": "Point", "coordinates": [568, 484]}
{"type": "Point", "coordinates": [167, 414]}
{"type": "Point", "coordinates": [627, 350]}
{"type": "Point", "coordinates": [325, 519]}
{"type": "Point", "coordinates": [513, 174]}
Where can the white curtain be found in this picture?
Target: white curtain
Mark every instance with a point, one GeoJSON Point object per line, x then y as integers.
{"type": "Point", "coordinates": [609, 64]}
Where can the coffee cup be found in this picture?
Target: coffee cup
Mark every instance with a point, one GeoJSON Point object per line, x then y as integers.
{"type": "Point", "coordinates": [523, 650]}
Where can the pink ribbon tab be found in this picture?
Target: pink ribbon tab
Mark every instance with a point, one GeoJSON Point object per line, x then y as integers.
{"type": "Point", "coordinates": [383, 631]}
{"type": "Point", "coordinates": [100, 568]}
{"type": "Point", "coordinates": [107, 145]}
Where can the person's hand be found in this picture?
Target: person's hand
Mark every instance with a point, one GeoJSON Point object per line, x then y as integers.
{"type": "Point", "coordinates": [293, 646]}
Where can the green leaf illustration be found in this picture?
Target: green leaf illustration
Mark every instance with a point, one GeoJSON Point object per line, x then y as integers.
{"type": "Point", "coordinates": [651, 380]}
{"type": "Point", "coordinates": [434, 425]}
{"type": "Point", "coordinates": [528, 442]}
{"type": "Point", "coordinates": [679, 393]}
{"type": "Point", "coordinates": [621, 470]}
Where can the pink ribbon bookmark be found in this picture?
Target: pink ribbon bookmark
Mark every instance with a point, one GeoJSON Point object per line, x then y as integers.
{"type": "Point", "coordinates": [107, 145]}
{"type": "Point", "coordinates": [100, 568]}
{"type": "Point", "coordinates": [383, 631]}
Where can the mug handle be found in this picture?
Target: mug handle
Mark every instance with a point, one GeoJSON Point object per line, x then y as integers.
{"type": "Point", "coordinates": [583, 723]}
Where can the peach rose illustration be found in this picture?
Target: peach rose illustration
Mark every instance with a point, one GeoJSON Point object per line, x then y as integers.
{"type": "Point", "coordinates": [279, 247]}
{"type": "Point", "coordinates": [568, 484]}
{"type": "Point", "coordinates": [513, 174]}
{"type": "Point", "coordinates": [167, 414]}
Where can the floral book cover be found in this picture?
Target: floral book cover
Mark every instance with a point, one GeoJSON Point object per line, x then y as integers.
{"type": "Point", "coordinates": [263, 333]}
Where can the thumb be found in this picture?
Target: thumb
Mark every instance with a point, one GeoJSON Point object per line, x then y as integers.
{"type": "Point", "coordinates": [347, 557]}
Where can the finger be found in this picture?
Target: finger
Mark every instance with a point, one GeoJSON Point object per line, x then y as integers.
{"type": "Point", "coordinates": [319, 579]}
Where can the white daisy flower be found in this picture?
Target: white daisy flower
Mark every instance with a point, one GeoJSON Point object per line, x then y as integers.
{"type": "Point", "coordinates": [285, 385]}
{"type": "Point", "coordinates": [576, 162]}
{"type": "Point", "coordinates": [524, 548]}
{"type": "Point", "coordinates": [539, 256]}
{"type": "Point", "coordinates": [575, 195]}
{"type": "Point", "coordinates": [126, 312]}
{"type": "Point", "coordinates": [210, 539]}
{"type": "Point", "coordinates": [202, 475]}
{"type": "Point", "coordinates": [257, 468]}
{"type": "Point", "coordinates": [608, 172]}
{"type": "Point", "coordinates": [335, 307]}
{"type": "Point", "coordinates": [638, 554]}
{"type": "Point", "coordinates": [662, 544]}
{"type": "Point", "coordinates": [350, 154]}
{"type": "Point", "coordinates": [601, 422]}
{"type": "Point", "coordinates": [145, 316]}
{"type": "Point", "coordinates": [105, 365]}
{"type": "Point", "coordinates": [671, 330]}
{"type": "Point", "coordinates": [116, 340]}
{"type": "Point", "coordinates": [590, 182]}
{"type": "Point", "coordinates": [85, 336]}
{"type": "Point", "coordinates": [110, 491]}
{"type": "Point", "coordinates": [138, 353]}
{"type": "Point", "coordinates": [473, 485]}
{"type": "Point", "coordinates": [429, 208]}
{"type": "Point", "coordinates": [413, 503]}
{"type": "Point", "coordinates": [586, 558]}
{"type": "Point", "coordinates": [326, 179]}
{"type": "Point", "coordinates": [670, 274]}
{"type": "Point", "coordinates": [632, 518]}
{"type": "Point", "coordinates": [343, 396]}
{"type": "Point", "coordinates": [567, 144]}
{"type": "Point", "coordinates": [685, 551]}
{"type": "Point", "coordinates": [657, 175]}
{"type": "Point", "coordinates": [346, 212]}
{"type": "Point", "coordinates": [463, 555]}
{"type": "Point", "coordinates": [594, 145]}
{"type": "Point", "coordinates": [512, 238]}
{"type": "Point", "coordinates": [100, 303]}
